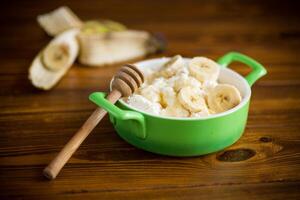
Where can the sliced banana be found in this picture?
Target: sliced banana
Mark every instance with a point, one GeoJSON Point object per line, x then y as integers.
{"type": "Point", "coordinates": [177, 110]}
{"type": "Point", "coordinates": [211, 112]}
{"type": "Point", "coordinates": [171, 67]}
{"type": "Point", "coordinates": [204, 69]}
{"type": "Point", "coordinates": [189, 91]}
{"type": "Point", "coordinates": [50, 65]}
{"type": "Point", "coordinates": [100, 49]}
{"type": "Point", "coordinates": [223, 97]}
{"type": "Point", "coordinates": [203, 113]}
{"type": "Point", "coordinates": [144, 104]}
{"type": "Point", "coordinates": [168, 97]}
{"type": "Point", "coordinates": [59, 20]}
{"type": "Point", "coordinates": [150, 92]}
{"type": "Point", "coordinates": [184, 80]}
{"type": "Point", "coordinates": [56, 56]}
{"type": "Point", "coordinates": [192, 99]}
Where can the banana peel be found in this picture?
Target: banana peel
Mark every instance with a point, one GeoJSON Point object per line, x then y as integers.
{"type": "Point", "coordinates": [59, 20]}
{"type": "Point", "coordinates": [100, 49]}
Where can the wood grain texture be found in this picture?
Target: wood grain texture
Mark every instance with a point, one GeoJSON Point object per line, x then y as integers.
{"type": "Point", "coordinates": [58, 162]}
{"type": "Point", "coordinates": [34, 125]}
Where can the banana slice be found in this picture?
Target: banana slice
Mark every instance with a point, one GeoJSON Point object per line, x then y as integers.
{"type": "Point", "coordinates": [50, 65]}
{"type": "Point", "coordinates": [168, 97]}
{"type": "Point", "coordinates": [192, 99]}
{"type": "Point", "coordinates": [223, 97]}
{"type": "Point", "coordinates": [101, 49]}
{"type": "Point", "coordinates": [58, 20]}
{"type": "Point", "coordinates": [176, 110]}
{"type": "Point", "coordinates": [150, 92]}
{"type": "Point", "coordinates": [204, 69]}
{"type": "Point", "coordinates": [172, 66]}
{"type": "Point", "coordinates": [184, 80]}
{"type": "Point", "coordinates": [140, 102]}
{"type": "Point", "coordinates": [203, 113]}
{"type": "Point", "coordinates": [211, 112]}
{"type": "Point", "coordinates": [56, 56]}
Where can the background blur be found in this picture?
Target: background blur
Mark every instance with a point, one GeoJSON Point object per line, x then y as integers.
{"type": "Point", "coordinates": [262, 29]}
{"type": "Point", "coordinates": [34, 124]}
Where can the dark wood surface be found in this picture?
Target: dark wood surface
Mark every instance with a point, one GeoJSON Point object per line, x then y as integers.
{"type": "Point", "coordinates": [34, 125]}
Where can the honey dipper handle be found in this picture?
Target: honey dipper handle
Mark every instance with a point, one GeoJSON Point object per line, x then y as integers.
{"type": "Point", "coordinates": [52, 170]}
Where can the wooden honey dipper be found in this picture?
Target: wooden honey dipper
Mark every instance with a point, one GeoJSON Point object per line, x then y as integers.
{"type": "Point", "coordinates": [125, 82]}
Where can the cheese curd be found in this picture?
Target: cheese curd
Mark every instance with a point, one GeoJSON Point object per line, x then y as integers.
{"type": "Point", "coordinates": [177, 89]}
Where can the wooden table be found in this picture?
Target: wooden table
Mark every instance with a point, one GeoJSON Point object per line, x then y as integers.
{"type": "Point", "coordinates": [34, 125]}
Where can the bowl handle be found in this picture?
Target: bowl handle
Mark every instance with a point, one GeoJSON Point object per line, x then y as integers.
{"type": "Point", "coordinates": [99, 99]}
{"type": "Point", "coordinates": [257, 69]}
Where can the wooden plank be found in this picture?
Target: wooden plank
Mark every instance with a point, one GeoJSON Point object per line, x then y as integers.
{"type": "Point", "coordinates": [103, 149]}
{"type": "Point", "coordinates": [34, 125]}
{"type": "Point", "coordinates": [265, 99]}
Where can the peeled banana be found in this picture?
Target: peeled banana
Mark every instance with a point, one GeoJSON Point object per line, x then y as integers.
{"type": "Point", "coordinates": [53, 62]}
{"type": "Point", "coordinates": [101, 42]}
{"type": "Point", "coordinates": [59, 20]}
{"type": "Point", "coordinates": [223, 97]}
{"type": "Point", "coordinates": [56, 56]}
{"type": "Point", "coordinates": [101, 26]}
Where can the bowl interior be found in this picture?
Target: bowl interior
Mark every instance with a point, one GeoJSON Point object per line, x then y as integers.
{"type": "Point", "coordinates": [226, 76]}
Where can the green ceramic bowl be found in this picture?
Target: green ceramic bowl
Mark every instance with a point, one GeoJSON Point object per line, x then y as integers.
{"type": "Point", "coordinates": [185, 136]}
